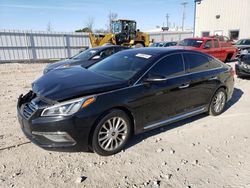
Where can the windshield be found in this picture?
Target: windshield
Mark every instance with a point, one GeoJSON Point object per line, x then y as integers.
{"type": "Point", "coordinates": [243, 42]}
{"type": "Point", "coordinates": [191, 42]}
{"type": "Point", "coordinates": [122, 66]}
{"type": "Point", "coordinates": [116, 27]}
{"type": "Point", "coordinates": [85, 55]}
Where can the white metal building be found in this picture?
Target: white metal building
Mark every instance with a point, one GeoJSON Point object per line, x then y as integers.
{"type": "Point", "coordinates": [223, 17]}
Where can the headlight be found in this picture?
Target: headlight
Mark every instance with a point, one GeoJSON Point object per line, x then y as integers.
{"type": "Point", "coordinates": [67, 108]}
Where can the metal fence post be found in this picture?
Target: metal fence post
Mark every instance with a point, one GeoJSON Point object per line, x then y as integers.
{"type": "Point", "coordinates": [68, 45]}
{"type": "Point", "coordinates": [27, 45]}
{"type": "Point", "coordinates": [32, 46]}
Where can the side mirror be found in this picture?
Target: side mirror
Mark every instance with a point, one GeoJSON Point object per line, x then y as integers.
{"type": "Point", "coordinates": [155, 79]}
{"type": "Point", "coordinates": [96, 57]}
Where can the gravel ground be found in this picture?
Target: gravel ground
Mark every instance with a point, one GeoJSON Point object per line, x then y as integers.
{"type": "Point", "coordinates": [203, 151]}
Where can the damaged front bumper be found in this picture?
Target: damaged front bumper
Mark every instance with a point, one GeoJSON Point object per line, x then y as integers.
{"type": "Point", "coordinates": [52, 133]}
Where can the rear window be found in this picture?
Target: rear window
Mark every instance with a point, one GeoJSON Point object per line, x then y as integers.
{"type": "Point", "coordinates": [196, 62]}
{"type": "Point", "coordinates": [191, 42]}
{"type": "Point", "coordinates": [214, 63]}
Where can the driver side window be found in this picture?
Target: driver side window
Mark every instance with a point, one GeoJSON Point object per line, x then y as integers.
{"type": "Point", "coordinates": [169, 66]}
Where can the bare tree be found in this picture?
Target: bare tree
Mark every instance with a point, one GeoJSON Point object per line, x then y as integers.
{"type": "Point", "coordinates": [90, 23]}
{"type": "Point", "coordinates": [111, 16]}
{"type": "Point", "coordinates": [49, 27]}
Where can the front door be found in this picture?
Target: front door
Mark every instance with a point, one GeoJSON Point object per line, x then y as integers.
{"type": "Point", "coordinates": [162, 100]}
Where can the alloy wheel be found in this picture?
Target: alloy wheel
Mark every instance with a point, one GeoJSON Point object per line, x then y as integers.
{"type": "Point", "coordinates": [219, 102]}
{"type": "Point", "coordinates": [112, 133]}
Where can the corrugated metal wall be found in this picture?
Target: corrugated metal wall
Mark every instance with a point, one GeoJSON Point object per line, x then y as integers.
{"type": "Point", "coordinates": [170, 36]}
{"type": "Point", "coordinates": [31, 45]}
{"type": "Point", "coordinates": [233, 15]}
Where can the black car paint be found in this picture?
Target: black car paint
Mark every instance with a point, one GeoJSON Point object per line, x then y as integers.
{"type": "Point", "coordinates": [242, 68]}
{"type": "Point", "coordinates": [74, 82]}
{"type": "Point", "coordinates": [137, 98]}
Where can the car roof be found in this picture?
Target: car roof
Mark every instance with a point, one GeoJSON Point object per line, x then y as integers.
{"type": "Point", "coordinates": [159, 51]}
{"type": "Point", "coordinates": [108, 46]}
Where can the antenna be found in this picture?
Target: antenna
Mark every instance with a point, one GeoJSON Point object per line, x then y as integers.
{"type": "Point", "coordinates": [184, 4]}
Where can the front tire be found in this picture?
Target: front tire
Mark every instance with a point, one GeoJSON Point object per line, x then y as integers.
{"type": "Point", "coordinates": [218, 102]}
{"type": "Point", "coordinates": [111, 133]}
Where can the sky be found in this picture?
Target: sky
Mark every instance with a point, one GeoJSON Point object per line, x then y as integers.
{"type": "Point", "coordinates": [70, 15]}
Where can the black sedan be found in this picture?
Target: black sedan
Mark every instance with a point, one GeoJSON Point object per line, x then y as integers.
{"type": "Point", "coordinates": [130, 92]}
{"type": "Point", "coordinates": [242, 67]}
{"type": "Point", "coordinates": [87, 57]}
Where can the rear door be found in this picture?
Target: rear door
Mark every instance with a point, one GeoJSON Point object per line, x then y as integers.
{"type": "Point", "coordinates": [203, 79]}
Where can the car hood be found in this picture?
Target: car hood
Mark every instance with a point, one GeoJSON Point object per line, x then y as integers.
{"type": "Point", "coordinates": [72, 82]}
{"type": "Point", "coordinates": [68, 62]}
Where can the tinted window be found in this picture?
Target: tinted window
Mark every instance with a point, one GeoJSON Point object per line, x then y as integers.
{"type": "Point", "coordinates": [208, 44]}
{"type": "Point", "coordinates": [107, 52]}
{"type": "Point", "coordinates": [117, 49]}
{"type": "Point", "coordinates": [243, 42]}
{"type": "Point", "coordinates": [169, 66]}
{"type": "Point", "coordinates": [85, 55]}
{"type": "Point", "coordinates": [122, 65]}
{"type": "Point", "coordinates": [191, 42]}
{"type": "Point", "coordinates": [213, 63]}
{"type": "Point", "coordinates": [216, 44]}
{"type": "Point", "coordinates": [196, 62]}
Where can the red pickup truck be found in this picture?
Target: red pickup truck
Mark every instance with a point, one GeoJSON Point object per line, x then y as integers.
{"type": "Point", "coordinates": [211, 46]}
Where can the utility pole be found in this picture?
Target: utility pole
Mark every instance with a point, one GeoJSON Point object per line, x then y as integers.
{"type": "Point", "coordinates": [167, 17]}
{"type": "Point", "coordinates": [195, 4]}
{"type": "Point", "coordinates": [184, 4]}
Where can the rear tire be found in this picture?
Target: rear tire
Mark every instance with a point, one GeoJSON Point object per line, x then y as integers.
{"type": "Point", "coordinates": [229, 58]}
{"type": "Point", "coordinates": [111, 133]}
{"type": "Point", "coordinates": [218, 102]}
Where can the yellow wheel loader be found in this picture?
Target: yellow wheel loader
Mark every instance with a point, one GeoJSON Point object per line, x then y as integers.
{"type": "Point", "coordinates": [124, 33]}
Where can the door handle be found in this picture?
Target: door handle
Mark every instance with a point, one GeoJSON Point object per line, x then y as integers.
{"type": "Point", "coordinates": [213, 78]}
{"type": "Point", "coordinates": [183, 86]}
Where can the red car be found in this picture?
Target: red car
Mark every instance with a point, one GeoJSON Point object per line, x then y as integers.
{"type": "Point", "coordinates": [211, 46]}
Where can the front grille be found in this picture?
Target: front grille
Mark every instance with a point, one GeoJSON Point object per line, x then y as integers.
{"type": "Point", "coordinates": [29, 109]}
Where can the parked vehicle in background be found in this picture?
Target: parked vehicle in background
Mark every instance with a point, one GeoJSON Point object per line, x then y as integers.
{"type": "Point", "coordinates": [157, 44]}
{"type": "Point", "coordinates": [242, 67]}
{"type": "Point", "coordinates": [243, 46]}
{"type": "Point", "coordinates": [211, 46]}
{"type": "Point", "coordinates": [130, 92]}
{"type": "Point", "coordinates": [86, 58]}
{"type": "Point", "coordinates": [163, 44]}
{"type": "Point", "coordinates": [224, 41]}
{"type": "Point", "coordinates": [168, 44]}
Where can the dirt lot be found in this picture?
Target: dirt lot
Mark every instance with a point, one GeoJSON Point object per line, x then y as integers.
{"type": "Point", "coordinates": [203, 151]}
